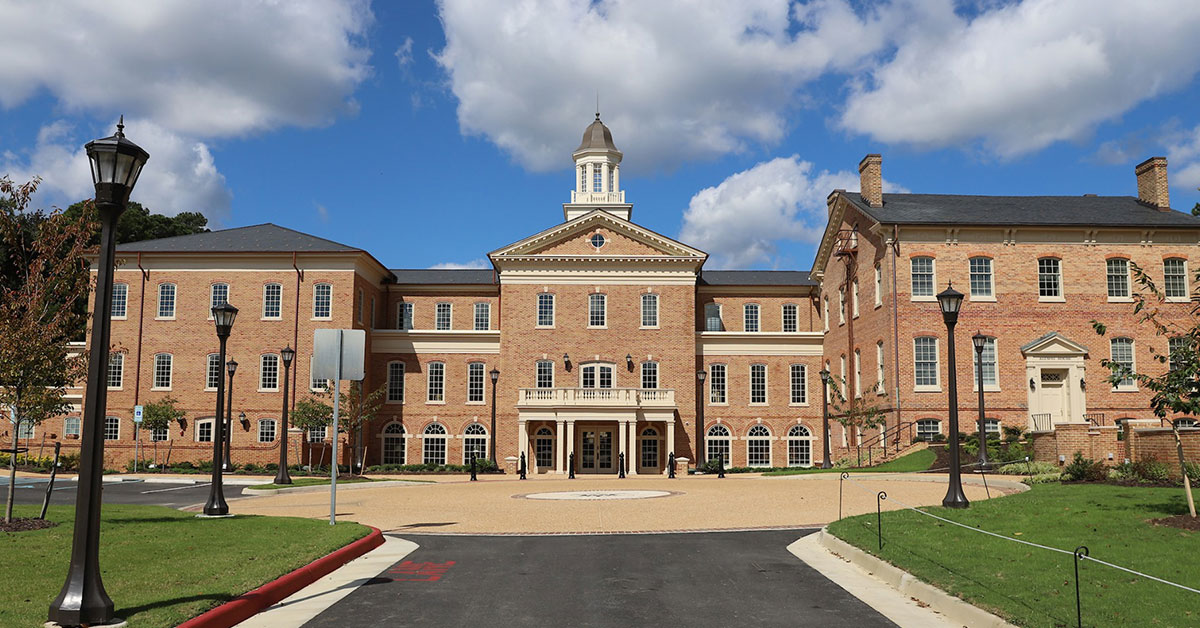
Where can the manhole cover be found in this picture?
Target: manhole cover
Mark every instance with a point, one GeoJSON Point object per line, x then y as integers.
{"type": "Point", "coordinates": [601, 495]}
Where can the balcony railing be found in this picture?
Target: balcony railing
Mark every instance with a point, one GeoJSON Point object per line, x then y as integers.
{"type": "Point", "coordinates": [608, 397]}
{"type": "Point", "coordinates": [598, 197]}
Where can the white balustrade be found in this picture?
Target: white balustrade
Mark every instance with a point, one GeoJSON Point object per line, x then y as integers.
{"type": "Point", "coordinates": [632, 397]}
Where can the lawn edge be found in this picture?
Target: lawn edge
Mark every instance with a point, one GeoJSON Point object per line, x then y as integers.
{"type": "Point", "coordinates": [251, 491]}
{"type": "Point", "coordinates": [251, 603]}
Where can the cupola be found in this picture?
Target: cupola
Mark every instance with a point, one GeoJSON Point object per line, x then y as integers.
{"type": "Point", "coordinates": [597, 175]}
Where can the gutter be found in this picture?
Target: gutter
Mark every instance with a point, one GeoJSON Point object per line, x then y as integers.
{"type": "Point", "coordinates": [137, 379]}
{"type": "Point", "coordinates": [896, 323]}
{"type": "Point", "coordinates": [296, 325]}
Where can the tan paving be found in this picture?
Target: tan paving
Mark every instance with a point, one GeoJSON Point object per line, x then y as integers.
{"type": "Point", "coordinates": [702, 503]}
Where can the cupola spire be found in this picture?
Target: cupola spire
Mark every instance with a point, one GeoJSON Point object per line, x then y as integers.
{"type": "Point", "coordinates": [597, 174]}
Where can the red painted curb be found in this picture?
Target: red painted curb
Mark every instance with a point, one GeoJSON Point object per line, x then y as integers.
{"type": "Point", "coordinates": [249, 604]}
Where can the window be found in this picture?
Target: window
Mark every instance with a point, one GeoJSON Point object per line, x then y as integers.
{"type": "Point", "coordinates": [649, 449]}
{"type": "Point", "coordinates": [314, 384]}
{"type": "Point", "coordinates": [116, 369]}
{"type": "Point", "coordinates": [1174, 347]}
{"type": "Point", "coordinates": [545, 374]}
{"type": "Point", "coordinates": [857, 373]}
{"type": "Point", "coordinates": [989, 364]}
{"type": "Point", "coordinates": [359, 307]}
{"type": "Point", "coordinates": [649, 310]}
{"type": "Point", "coordinates": [597, 177]}
{"type": "Point", "coordinates": [712, 317]}
{"type": "Point", "coordinates": [799, 447]}
{"type": "Point", "coordinates": [758, 446]}
{"type": "Point", "coordinates": [925, 362]}
{"type": "Point", "coordinates": [317, 434]}
{"type": "Point", "coordinates": [842, 306]}
{"type": "Point", "coordinates": [717, 443]}
{"type": "Point", "coordinates": [1118, 278]}
{"type": "Point", "coordinates": [545, 310]}
{"type": "Point", "coordinates": [981, 277]}
{"type": "Point", "coordinates": [404, 316]}
{"type": "Point", "coordinates": [475, 382]}
{"type": "Point", "coordinates": [582, 179]}
{"type": "Point", "coordinates": [597, 240]}
{"type": "Point", "coordinates": [825, 312]}
{"type": "Point", "coordinates": [322, 300]}
{"type": "Point", "coordinates": [162, 370]}
{"type": "Point", "coordinates": [120, 300]}
{"type": "Point", "coordinates": [878, 286]}
{"type": "Point", "coordinates": [1186, 423]}
{"type": "Point", "coordinates": [928, 428]}
{"type": "Point", "coordinates": [266, 430]}
{"type": "Point", "coordinates": [790, 323]}
{"type": "Point", "coordinates": [204, 431]}
{"type": "Point", "coordinates": [483, 316]}
{"type": "Point", "coordinates": [922, 276]}
{"type": "Point", "coordinates": [758, 383]}
{"type": "Point", "coordinates": [268, 372]}
{"type": "Point", "coordinates": [854, 299]}
{"type": "Point", "coordinates": [597, 310]}
{"type": "Point", "coordinates": [842, 381]}
{"type": "Point", "coordinates": [272, 300]}
{"type": "Point", "coordinates": [166, 300]}
{"type": "Point", "coordinates": [991, 427]}
{"type": "Point", "coordinates": [158, 435]}
{"type": "Point", "coordinates": [1175, 278]}
{"type": "Point", "coordinates": [750, 316]}
{"type": "Point", "coordinates": [799, 383]}
{"type": "Point", "coordinates": [650, 375]}
{"type": "Point", "coordinates": [879, 367]}
{"type": "Point", "coordinates": [544, 448]}
{"type": "Point", "coordinates": [443, 316]}
{"type": "Point", "coordinates": [475, 443]}
{"type": "Point", "coordinates": [218, 295]}
{"type": "Point", "coordinates": [1122, 354]}
{"type": "Point", "coordinates": [436, 390]}
{"type": "Point", "coordinates": [72, 426]}
{"type": "Point", "coordinates": [1049, 278]}
{"type": "Point", "coordinates": [434, 449]}
{"type": "Point", "coordinates": [25, 430]}
{"type": "Point", "coordinates": [597, 376]}
{"type": "Point", "coordinates": [395, 382]}
{"type": "Point", "coordinates": [612, 177]}
{"type": "Point", "coordinates": [112, 428]}
{"type": "Point", "coordinates": [393, 444]}
{"type": "Point", "coordinates": [716, 383]}
{"type": "Point", "coordinates": [213, 372]}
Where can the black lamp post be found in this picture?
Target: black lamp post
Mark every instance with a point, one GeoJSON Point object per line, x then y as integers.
{"type": "Point", "coordinates": [825, 417]}
{"type": "Point", "coordinates": [223, 316]}
{"type": "Point", "coordinates": [495, 374]}
{"type": "Point", "coordinates": [231, 368]}
{"type": "Point", "coordinates": [700, 377]}
{"type": "Point", "coordinates": [950, 300]}
{"type": "Point", "coordinates": [115, 163]}
{"type": "Point", "coordinates": [979, 340]}
{"type": "Point", "coordinates": [281, 475]}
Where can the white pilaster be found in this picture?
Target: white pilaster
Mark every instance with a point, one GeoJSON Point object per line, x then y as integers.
{"type": "Point", "coordinates": [633, 447]}
{"type": "Point", "coordinates": [670, 445]}
{"type": "Point", "coordinates": [560, 446]}
{"type": "Point", "coordinates": [624, 431]}
{"type": "Point", "coordinates": [616, 178]}
{"type": "Point", "coordinates": [522, 442]}
{"type": "Point", "coordinates": [591, 174]}
{"type": "Point", "coordinates": [604, 178]}
{"type": "Point", "coordinates": [569, 442]}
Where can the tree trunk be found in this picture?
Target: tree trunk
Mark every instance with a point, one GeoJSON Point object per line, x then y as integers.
{"type": "Point", "coordinates": [1187, 482]}
{"type": "Point", "coordinates": [12, 472]}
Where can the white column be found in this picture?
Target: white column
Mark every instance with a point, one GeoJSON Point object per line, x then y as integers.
{"type": "Point", "coordinates": [522, 443]}
{"type": "Point", "coordinates": [560, 439]}
{"type": "Point", "coordinates": [624, 435]}
{"type": "Point", "coordinates": [633, 447]}
{"type": "Point", "coordinates": [587, 182]}
{"type": "Point", "coordinates": [670, 444]}
{"type": "Point", "coordinates": [604, 178]}
{"type": "Point", "coordinates": [570, 442]}
{"type": "Point", "coordinates": [616, 178]}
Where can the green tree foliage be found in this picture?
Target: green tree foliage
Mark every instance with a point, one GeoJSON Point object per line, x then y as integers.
{"type": "Point", "coordinates": [860, 412]}
{"type": "Point", "coordinates": [1196, 209]}
{"type": "Point", "coordinates": [158, 415]}
{"type": "Point", "coordinates": [137, 224]}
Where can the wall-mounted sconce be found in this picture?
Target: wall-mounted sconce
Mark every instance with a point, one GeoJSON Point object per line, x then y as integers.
{"type": "Point", "coordinates": [1032, 384]}
{"type": "Point", "coordinates": [629, 361]}
{"type": "Point", "coordinates": [567, 361]}
{"type": "Point", "coordinates": [245, 422]}
{"type": "Point", "coordinates": [1062, 458]}
{"type": "Point", "coordinates": [1082, 384]}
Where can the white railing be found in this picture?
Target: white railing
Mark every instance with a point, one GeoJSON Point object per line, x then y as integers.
{"type": "Point", "coordinates": [632, 397]}
{"type": "Point", "coordinates": [598, 197]}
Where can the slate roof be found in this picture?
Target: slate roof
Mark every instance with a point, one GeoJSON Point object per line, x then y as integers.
{"type": "Point", "coordinates": [756, 278]}
{"type": "Point", "coordinates": [264, 238]}
{"type": "Point", "coordinates": [1047, 211]}
{"type": "Point", "coordinates": [454, 276]}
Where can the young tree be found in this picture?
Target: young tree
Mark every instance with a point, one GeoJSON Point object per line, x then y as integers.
{"type": "Point", "coordinates": [354, 410]}
{"type": "Point", "coordinates": [860, 412]}
{"type": "Point", "coordinates": [46, 277]}
{"type": "Point", "coordinates": [158, 415]}
{"type": "Point", "coordinates": [1177, 390]}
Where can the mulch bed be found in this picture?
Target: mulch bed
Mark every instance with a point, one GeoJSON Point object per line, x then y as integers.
{"type": "Point", "coordinates": [25, 524]}
{"type": "Point", "coordinates": [1183, 522]}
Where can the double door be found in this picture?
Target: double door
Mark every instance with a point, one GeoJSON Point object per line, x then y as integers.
{"type": "Point", "coordinates": [596, 451]}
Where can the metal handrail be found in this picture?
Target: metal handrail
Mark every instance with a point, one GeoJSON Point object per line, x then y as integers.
{"type": "Point", "coordinates": [1095, 418]}
{"type": "Point", "coordinates": [881, 441]}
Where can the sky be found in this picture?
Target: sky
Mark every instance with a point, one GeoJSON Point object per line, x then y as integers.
{"type": "Point", "coordinates": [430, 133]}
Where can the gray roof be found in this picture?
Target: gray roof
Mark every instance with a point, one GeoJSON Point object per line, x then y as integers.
{"type": "Point", "coordinates": [597, 136]}
{"type": "Point", "coordinates": [756, 278]}
{"type": "Point", "coordinates": [441, 276]}
{"type": "Point", "coordinates": [1098, 211]}
{"type": "Point", "coordinates": [264, 238]}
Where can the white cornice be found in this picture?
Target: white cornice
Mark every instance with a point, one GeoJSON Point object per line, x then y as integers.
{"type": "Point", "coordinates": [561, 232]}
{"type": "Point", "coordinates": [734, 343]}
{"type": "Point", "coordinates": [420, 341]}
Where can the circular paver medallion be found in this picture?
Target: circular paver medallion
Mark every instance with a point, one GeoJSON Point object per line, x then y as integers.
{"type": "Point", "coordinates": [598, 495]}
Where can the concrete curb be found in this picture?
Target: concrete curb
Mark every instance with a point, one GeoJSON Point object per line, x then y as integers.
{"type": "Point", "coordinates": [228, 480]}
{"type": "Point", "coordinates": [247, 605]}
{"type": "Point", "coordinates": [907, 584]}
{"type": "Point", "coordinates": [324, 488]}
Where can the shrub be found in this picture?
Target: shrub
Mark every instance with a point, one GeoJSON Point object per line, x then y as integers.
{"type": "Point", "coordinates": [1123, 472]}
{"type": "Point", "coordinates": [1152, 471]}
{"type": "Point", "coordinates": [938, 438]}
{"type": "Point", "coordinates": [142, 465]}
{"type": "Point", "coordinates": [183, 465]}
{"type": "Point", "coordinates": [1193, 471]}
{"type": "Point", "coordinates": [1030, 468]}
{"type": "Point", "coordinates": [1043, 478]}
{"type": "Point", "coordinates": [1084, 470]}
{"type": "Point", "coordinates": [250, 467]}
{"type": "Point", "coordinates": [1011, 434]}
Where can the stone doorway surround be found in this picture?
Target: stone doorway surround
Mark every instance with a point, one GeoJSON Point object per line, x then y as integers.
{"type": "Point", "coordinates": [1054, 369]}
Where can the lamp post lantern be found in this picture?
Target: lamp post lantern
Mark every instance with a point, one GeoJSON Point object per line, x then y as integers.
{"type": "Point", "coordinates": [980, 341]}
{"type": "Point", "coordinates": [223, 316]}
{"type": "Point", "coordinates": [281, 475]}
{"type": "Point", "coordinates": [495, 375]}
{"type": "Point", "coordinates": [226, 465]}
{"type": "Point", "coordinates": [700, 377]}
{"type": "Point", "coordinates": [115, 164]}
{"type": "Point", "coordinates": [825, 417]}
{"type": "Point", "coordinates": [950, 300]}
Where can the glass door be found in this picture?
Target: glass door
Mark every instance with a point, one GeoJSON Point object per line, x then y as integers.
{"type": "Point", "coordinates": [596, 449]}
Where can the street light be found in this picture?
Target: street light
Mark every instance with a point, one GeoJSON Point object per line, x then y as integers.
{"type": "Point", "coordinates": [223, 316]}
{"type": "Point", "coordinates": [115, 163]}
{"type": "Point", "coordinates": [979, 340]}
{"type": "Point", "coordinates": [495, 374]}
{"type": "Point", "coordinates": [825, 416]}
{"type": "Point", "coordinates": [226, 465]}
{"type": "Point", "coordinates": [281, 475]}
{"type": "Point", "coordinates": [950, 300]}
{"type": "Point", "coordinates": [700, 376]}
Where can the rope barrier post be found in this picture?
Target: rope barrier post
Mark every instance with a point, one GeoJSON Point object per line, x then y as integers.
{"type": "Point", "coordinates": [621, 472]}
{"type": "Point", "coordinates": [473, 478]}
{"type": "Point", "coordinates": [1078, 607]}
{"type": "Point", "coordinates": [1029, 469]}
{"type": "Point", "coordinates": [841, 477]}
{"type": "Point", "coordinates": [671, 466]}
{"type": "Point", "coordinates": [522, 465]}
{"type": "Point", "coordinates": [879, 497]}
{"type": "Point", "coordinates": [721, 465]}
{"type": "Point", "coordinates": [983, 475]}
{"type": "Point", "coordinates": [571, 466]}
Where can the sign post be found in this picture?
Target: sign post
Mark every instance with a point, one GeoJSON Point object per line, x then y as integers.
{"type": "Point", "coordinates": [338, 354]}
{"type": "Point", "coordinates": [137, 423]}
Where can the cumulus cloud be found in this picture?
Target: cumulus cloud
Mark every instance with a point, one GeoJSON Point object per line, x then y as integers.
{"type": "Point", "coordinates": [475, 263]}
{"type": "Point", "coordinates": [1019, 77]}
{"type": "Point", "coordinates": [1183, 153]}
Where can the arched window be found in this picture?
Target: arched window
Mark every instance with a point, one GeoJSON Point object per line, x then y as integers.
{"type": "Point", "coordinates": [266, 430]}
{"type": "Point", "coordinates": [596, 376]}
{"type": "Point", "coordinates": [649, 450]}
{"type": "Point", "coordinates": [475, 443]}
{"type": "Point", "coordinates": [1186, 423]}
{"type": "Point", "coordinates": [393, 444]}
{"type": "Point", "coordinates": [543, 448]}
{"type": "Point", "coordinates": [758, 446]}
{"type": "Point", "coordinates": [433, 450]}
{"type": "Point", "coordinates": [927, 429]}
{"type": "Point", "coordinates": [799, 447]}
{"type": "Point", "coordinates": [717, 443]}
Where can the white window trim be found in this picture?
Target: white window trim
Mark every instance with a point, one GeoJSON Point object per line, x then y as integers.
{"type": "Point", "coordinates": [770, 449]}
{"type": "Point", "coordinates": [106, 371]}
{"type": "Point", "coordinates": [263, 312]}
{"type": "Point", "coordinates": [154, 371]}
{"type": "Point", "coordinates": [278, 367]}
{"type": "Point", "coordinates": [841, 305]}
{"type": "Point", "coordinates": [259, 430]}
{"type": "Point", "coordinates": [400, 306]}
{"type": "Point", "coordinates": [196, 430]}
{"type": "Point", "coordinates": [991, 281]}
{"type": "Point", "coordinates": [825, 311]}
{"type": "Point", "coordinates": [485, 384]}
{"type": "Point", "coordinates": [595, 363]}
{"type": "Point", "coordinates": [880, 373]}
{"type": "Point", "coordinates": [782, 309]}
{"type": "Point", "coordinates": [450, 323]}
{"type": "Point", "coordinates": [428, 384]}
{"type": "Point", "coordinates": [475, 315]}
{"type": "Point", "coordinates": [746, 308]}
{"type": "Point", "coordinates": [314, 302]}
{"type": "Point", "coordinates": [1187, 284]}
{"type": "Point", "coordinates": [791, 403]}
{"type": "Point", "coordinates": [937, 370]}
{"type": "Point", "coordinates": [537, 311]}
{"type": "Point", "coordinates": [213, 285]}
{"type": "Point", "coordinates": [975, 376]}
{"type": "Point", "coordinates": [1128, 282]}
{"type": "Point", "coordinates": [858, 373]}
{"type": "Point", "coordinates": [854, 299]}
{"type": "Point", "coordinates": [388, 381]}
{"type": "Point", "coordinates": [1133, 358]}
{"type": "Point", "coordinates": [642, 311]}
{"type": "Point", "coordinates": [878, 286]}
{"type": "Point", "coordinates": [720, 317]}
{"type": "Point", "coordinates": [124, 316]}
{"type": "Point", "coordinates": [589, 310]}
{"type": "Point", "coordinates": [708, 380]}
{"type": "Point", "coordinates": [766, 385]}
{"type": "Point", "coordinates": [535, 373]}
{"type": "Point", "coordinates": [1062, 289]}
{"type": "Point", "coordinates": [158, 302]}
{"type": "Point", "coordinates": [914, 297]}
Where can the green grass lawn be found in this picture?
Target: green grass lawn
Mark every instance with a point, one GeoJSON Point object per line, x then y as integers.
{"type": "Point", "coordinates": [1035, 587]}
{"type": "Point", "coordinates": [310, 482]}
{"type": "Point", "coordinates": [916, 461]}
{"type": "Point", "coordinates": [161, 566]}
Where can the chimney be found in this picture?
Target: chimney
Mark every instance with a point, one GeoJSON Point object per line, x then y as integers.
{"type": "Point", "coordinates": [870, 177]}
{"type": "Point", "coordinates": [1152, 183]}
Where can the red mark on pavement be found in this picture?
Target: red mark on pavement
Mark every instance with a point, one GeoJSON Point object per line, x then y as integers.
{"type": "Point", "coordinates": [419, 572]}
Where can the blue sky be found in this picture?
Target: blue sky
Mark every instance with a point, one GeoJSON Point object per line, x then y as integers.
{"type": "Point", "coordinates": [431, 133]}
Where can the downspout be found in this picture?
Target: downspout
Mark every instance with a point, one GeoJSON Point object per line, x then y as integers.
{"type": "Point", "coordinates": [137, 378]}
{"type": "Point", "coordinates": [296, 325]}
{"type": "Point", "coordinates": [896, 327]}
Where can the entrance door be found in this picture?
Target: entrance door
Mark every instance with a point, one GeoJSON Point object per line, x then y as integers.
{"type": "Point", "coordinates": [1054, 394]}
{"type": "Point", "coordinates": [596, 447]}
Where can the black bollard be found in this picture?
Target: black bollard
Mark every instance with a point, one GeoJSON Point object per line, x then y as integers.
{"type": "Point", "coordinates": [523, 465]}
{"type": "Point", "coordinates": [621, 472]}
{"type": "Point", "coordinates": [720, 465]}
{"type": "Point", "coordinates": [571, 467]}
{"type": "Point", "coordinates": [473, 478]}
{"type": "Point", "coordinates": [671, 466]}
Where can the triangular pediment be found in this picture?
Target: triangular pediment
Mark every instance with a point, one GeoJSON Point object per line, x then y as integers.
{"type": "Point", "coordinates": [1053, 344]}
{"type": "Point", "coordinates": [622, 240]}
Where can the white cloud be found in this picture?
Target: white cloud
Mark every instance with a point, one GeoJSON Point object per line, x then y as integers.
{"type": "Point", "coordinates": [404, 52]}
{"type": "Point", "coordinates": [677, 81]}
{"type": "Point", "coordinates": [322, 212]}
{"type": "Point", "coordinates": [1020, 77]}
{"type": "Point", "coordinates": [475, 263]}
